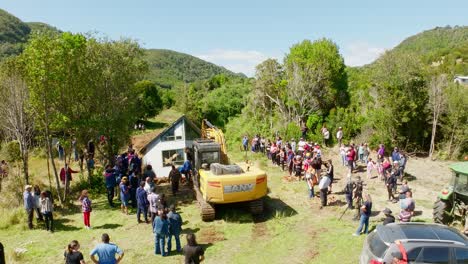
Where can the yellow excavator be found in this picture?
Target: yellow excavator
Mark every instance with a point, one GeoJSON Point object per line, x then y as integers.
{"type": "Point", "coordinates": [218, 182]}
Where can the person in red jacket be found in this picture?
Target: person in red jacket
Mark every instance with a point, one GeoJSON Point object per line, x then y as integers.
{"type": "Point", "coordinates": [350, 157]}
{"type": "Point", "coordinates": [400, 257]}
{"type": "Point", "coordinates": [66, 176]}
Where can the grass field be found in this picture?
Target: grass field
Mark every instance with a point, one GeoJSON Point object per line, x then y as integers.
{"type": "Point", "coordinates": [293, 229]}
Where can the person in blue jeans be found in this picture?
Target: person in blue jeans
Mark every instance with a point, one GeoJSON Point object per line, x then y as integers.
{"type": "Point", "coordinates": [161, 231]}
{"type": "Point", "coordinates": [142, 200]}
{"type": "Point", "coordinates": [366, 210]}
{"type": "Point", "coordinates": [175, 227]}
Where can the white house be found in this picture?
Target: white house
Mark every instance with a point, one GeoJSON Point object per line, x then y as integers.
{"type": "Point", "coordinates": [167, 147]}
{"type": "Point", "coordinates": [461, 80]}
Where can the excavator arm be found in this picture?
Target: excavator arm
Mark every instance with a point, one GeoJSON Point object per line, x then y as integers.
{"type": "Point", "coordinates": [209, 131]}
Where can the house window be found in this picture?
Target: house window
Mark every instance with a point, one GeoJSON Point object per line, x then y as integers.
{"type": "Point", "coordinates": [170, 135]}
{"type": "Point", "coordinates": [173, 156]}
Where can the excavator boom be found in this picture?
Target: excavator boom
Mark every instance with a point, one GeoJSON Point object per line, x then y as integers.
{"type": "Point", "coordinates": [209, 131]}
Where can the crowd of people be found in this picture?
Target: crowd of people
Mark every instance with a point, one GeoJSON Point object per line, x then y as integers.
{"type": "Point", "coordinates": [135, 188]}
{"type": "Point", "coordinates": [304, 160]}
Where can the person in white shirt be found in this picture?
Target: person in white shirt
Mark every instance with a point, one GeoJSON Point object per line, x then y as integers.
{"type": "Point", "coordinates": [339, 135]}
{"type": "Point", "coordinates": [300, 146]}
{"type": "Point", "coordinates": [293, 145]}
{"type": "Point", "coordinates": [153, 201]}
{"type": "Point", "coordinates": [323, 186]}
{"type": "Point", "coordinates": [326, 136]}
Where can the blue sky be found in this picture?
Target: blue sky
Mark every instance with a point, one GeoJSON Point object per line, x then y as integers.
{"type": "Point", "coordinates": [240, 34]}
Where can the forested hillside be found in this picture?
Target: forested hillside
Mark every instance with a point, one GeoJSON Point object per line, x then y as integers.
{"type": "Point", "coordinates": [166, 68]}
{"type": "Point", "coordinates": [406, 98]}
{"type": "Point", "coordinates": [434, 43]}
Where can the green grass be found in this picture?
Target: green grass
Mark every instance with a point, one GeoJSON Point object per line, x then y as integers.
{"type": "Point", "coordinates": [293, 230]}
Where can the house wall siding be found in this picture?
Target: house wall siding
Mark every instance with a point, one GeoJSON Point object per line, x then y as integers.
{"type": "Point", "coordinates": [153, 155]}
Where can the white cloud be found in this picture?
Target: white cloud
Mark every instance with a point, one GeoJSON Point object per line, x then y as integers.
{"type": "Point", "coordinates": [235, 60]}
{"type": "Point", "coordinates": [361, 53]}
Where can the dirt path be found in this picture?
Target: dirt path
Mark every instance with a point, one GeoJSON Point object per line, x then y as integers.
{"type": "Point", "coordinates": [426, 179]}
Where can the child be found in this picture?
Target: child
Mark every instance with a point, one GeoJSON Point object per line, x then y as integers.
{"type": "Point", "coordinates": [86, 208]}
{"type": "Point", "coordinates": [310, 184]}
{"type": "Point", "coordinates": [366, 153]}
{"type": "Point", "coordinates": [370, 167]}
{"type": "Point", "coordinates": [72, 255]}
{"type": "Point", "coordinates": [124, 195]}
{"type": "Point", "coordinates": [46, 210]}
{"type": "Point", "coordinates": [361, 152]}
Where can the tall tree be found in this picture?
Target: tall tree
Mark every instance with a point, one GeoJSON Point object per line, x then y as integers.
{"type": "Point", "coordinates": [316, 78]}
{"type": "Point", "coordinates": [15, 113]}
{"type": "Point", "coordinates": [149, 100]}
{"type": "Point", "coordinates": [436, 104]}
{"type": "Point", "coordinates": [400, 113]}
{"type": "Point", "coordinates": [42, 73]}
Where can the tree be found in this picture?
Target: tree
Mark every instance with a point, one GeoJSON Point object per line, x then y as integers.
{"type": "Point", "coordinates": [269, 91]}
{"type": "Point", "coordinates": [436, 104]}
{"type": "Point", "coordinates": [15, 113]}
{"type": "Point", "coordinates": [316, 78]}
{"type": "Point", "coordinates": [149, 99]}
{"type": "Point", "coordinates": [117, 66]}
{"type": "Point", "coordinates": [455, 122]}
{"type": "Point", "coordinates": [41, 70]}
{"type": "Point", "coordinates": [400, 112]}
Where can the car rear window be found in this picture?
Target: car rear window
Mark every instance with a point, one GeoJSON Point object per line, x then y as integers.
{"type": "Point", "coordinates": [448, 234]}
{"type": "Point", "coordinates": [376, 245]}
{"type": "Point", "coordinates": [439, 255]}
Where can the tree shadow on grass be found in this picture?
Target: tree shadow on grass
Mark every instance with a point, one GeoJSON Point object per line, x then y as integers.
{"type": "Point", "coordinates": [239, 212]}
{"type": "Point", "coordinates": [108, 226]}
{"type": "Point", "coordinates": [152, 125]}
{"type": "Point", "coordinates": [409, 177]}
{"type": "Point", "coordinates": [60, 225]}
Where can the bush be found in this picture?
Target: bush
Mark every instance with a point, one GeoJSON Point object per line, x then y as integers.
{"type": "Point", "coordinates": [292, 131]}
{"type": "Point", "coordinates": [11, 151]}
{"type": "Point", "coordinates": [11, 217]}
{"type": "Point", "coordinates": [95, 184]}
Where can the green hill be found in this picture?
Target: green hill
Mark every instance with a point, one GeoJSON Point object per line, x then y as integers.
{"type": "Point", "coordinates": [39, 26]}
{"type": "Point", "coordinates": [168, 68]}
{"type": "Point", "coordinates": [441, 44]}
{"type": "Point", "coordinates": [13, 34]}
{"type": "Point", "coordinates": [435, 42]}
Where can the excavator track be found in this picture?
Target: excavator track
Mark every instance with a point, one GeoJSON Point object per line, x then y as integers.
{"type": "Point", "coordinates": [256, 207]}
{"type": "Point", "coordinates": [208, 212]}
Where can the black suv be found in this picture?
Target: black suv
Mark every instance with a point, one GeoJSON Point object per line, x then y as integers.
{"type": "Point", "coordinates": [423, 243]}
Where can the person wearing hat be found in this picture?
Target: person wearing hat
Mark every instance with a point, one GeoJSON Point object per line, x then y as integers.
{"type": "Point", "coordinates": [389, 218]}
{"type": "Point", "coordinates": [124, 194]}
{"type": "Point", "coordinates": [29, 204]}
{"type": "Point", "coordinates": [175, 227]}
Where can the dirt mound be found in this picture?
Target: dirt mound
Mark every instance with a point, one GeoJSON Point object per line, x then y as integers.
{"type": "Point", "coordinates": [210, 235]}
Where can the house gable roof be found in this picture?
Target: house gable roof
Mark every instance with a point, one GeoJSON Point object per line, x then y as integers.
{"type": "Point", "coordinates": [158, 136]}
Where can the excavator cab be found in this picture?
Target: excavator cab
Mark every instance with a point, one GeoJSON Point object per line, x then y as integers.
{"type": "Point", "coordinates": [206, 151]}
